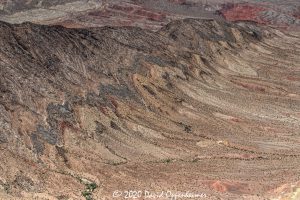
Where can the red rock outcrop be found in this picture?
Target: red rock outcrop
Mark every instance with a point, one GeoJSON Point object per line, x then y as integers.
{"type": "Point", "coordinates": [243, 12]}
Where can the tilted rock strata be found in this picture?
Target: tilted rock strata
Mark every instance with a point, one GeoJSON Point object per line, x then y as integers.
{"type": "Point", "coordinates": [200, 105]}
{"type": "Point", "coordinates": [148, 14]}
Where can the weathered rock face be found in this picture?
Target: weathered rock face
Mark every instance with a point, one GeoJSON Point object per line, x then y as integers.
{"type": "Point", "coordinates": [148, 14]}
{"type": "Point", "coordinates": [200, 105]}
{"type": "Point", "coordinates": [278, 16]}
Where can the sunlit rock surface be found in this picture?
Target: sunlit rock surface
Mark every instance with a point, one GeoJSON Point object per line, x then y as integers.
{"type": "Point", "coordinates": [200, 105]}
{"type": "Point", "coordinates": [148, 14]}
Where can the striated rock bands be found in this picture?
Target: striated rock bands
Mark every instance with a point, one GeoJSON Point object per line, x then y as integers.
{"type": "Point", "coordinates": [200, 105]}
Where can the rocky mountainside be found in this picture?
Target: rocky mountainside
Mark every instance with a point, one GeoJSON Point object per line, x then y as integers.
{"type": "Point", "coordinates": [200, 105]}
{"type": "Point", "coordinates": [284, 17]}
{"type": "Point", "coordinates": [148, 14]}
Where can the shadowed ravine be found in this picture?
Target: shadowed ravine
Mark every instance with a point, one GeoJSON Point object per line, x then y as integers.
{"type": "Point", "coordinates": [201, 106]}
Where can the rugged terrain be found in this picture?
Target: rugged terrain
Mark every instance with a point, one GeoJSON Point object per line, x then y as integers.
{"type": "Point", "coordinates": [148, 14]}
{"type": "Point", "coordinates": [199, 105]}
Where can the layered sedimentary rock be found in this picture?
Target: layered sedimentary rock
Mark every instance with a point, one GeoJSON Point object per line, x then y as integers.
{"type": "Point", "coordinates": [148, 14]}
{"type": "Point", "coordinates": [200, 105]}
{"type": "Point", "coordinates": [274, 15]}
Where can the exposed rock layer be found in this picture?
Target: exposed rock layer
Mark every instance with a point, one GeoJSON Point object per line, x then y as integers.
{"type": "Point", "coordinates": [200, 105]}
{"type": "Point", "coordinates": [148, 14]}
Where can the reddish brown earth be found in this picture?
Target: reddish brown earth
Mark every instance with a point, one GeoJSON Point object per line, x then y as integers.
{"type": "Point", "coordinates": [266, 14]}
{"type": "Point", "coordinates": [240, 12]}
{"type": "Point", "coordinates": [124, 14]}
{"type": "Point", "coordinates": [149, 14]}
{"type": "Point", "coordinates": [201, 105]}
{"type": "Point", "coordinates": [162, 104]}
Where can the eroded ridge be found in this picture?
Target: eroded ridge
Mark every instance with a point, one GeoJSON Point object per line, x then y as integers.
{"type": "Point", "coordinates": [200, 105]}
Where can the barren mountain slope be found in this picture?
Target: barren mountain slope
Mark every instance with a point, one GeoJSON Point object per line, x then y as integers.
{"type": "Point", "coordinates": [201, 106]}
{"type": "Point", "coordinates": [148, 14]}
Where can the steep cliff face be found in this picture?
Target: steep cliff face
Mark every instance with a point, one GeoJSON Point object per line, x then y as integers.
{"type": "Point", "coordinates": [201, 105]}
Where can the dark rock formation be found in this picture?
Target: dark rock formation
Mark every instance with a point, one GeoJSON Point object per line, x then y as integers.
{"type": "Point", "coordinates": [190, 106]}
